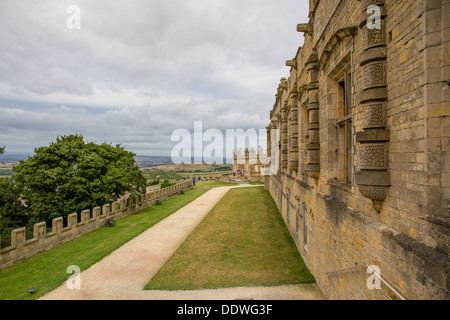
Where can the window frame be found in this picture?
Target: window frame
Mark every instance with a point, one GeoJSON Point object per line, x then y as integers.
{"type": "Point", "coordinates": [346, 122]}
{"type": "Point", "coordinates": [305, 226]}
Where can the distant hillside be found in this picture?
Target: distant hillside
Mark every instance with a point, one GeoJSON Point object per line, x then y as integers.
{"type": "Point", "coordinates": [151, 161]}
{"type": "Point", "coordinates": [142, 161]}
{"type": "Point", "coordinates": [12, 158]}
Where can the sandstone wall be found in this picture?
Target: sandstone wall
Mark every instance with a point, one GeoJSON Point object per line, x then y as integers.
{"type": "Point", "coordinates": [389, 206]}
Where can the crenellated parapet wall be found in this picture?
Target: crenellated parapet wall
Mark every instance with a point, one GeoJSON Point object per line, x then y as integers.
{"type": "Point", "coordinates": [90, 220]}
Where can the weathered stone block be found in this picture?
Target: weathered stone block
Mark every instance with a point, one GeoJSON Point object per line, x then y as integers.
{"type": "Point", "coordinates": [373, 178]}
{"type": "Point", "coordinates": [373, 135]}
{"type": "Point", "coordinates": [373, 156]}
{"type": "Point", "coordinates": [374, 75]}
{"type": "Point", "coordinates": [39, 230]}
{"type": "Point", "coordinates": [374, 115]}
{"type": "Point", "coordinates": [57, 225]}
{"type": "Point", "coordinates": [18, 237]}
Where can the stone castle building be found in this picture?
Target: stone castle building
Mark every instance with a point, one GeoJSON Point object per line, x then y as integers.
{"type": "Point", "coordinates": [249, 164]}
{"type": "Point", "coordinates": [363, 182]}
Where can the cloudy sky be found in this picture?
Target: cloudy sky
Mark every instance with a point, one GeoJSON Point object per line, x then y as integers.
{"type": "Point", "coordinates": [139, 69]}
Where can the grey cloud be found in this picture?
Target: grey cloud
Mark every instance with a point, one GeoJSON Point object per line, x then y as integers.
{"type": "Point", "coordinates": [137, 70]}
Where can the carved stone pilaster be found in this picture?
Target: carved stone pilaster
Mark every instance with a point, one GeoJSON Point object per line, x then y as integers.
{"type": "Point", "coordinates": [372, 177]}
{"type": "Point", "coordinates": [293, 130]}
{"type": "Point", "coordinates": [284, 136]}
{"type": "Point", "coordinates": [273, 144]}
{"type": "Point", "coordinates": [313, 147]}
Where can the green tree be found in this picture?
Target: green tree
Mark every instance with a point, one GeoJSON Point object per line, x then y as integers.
{"type": "Point", "coordinates": [12, 211]}
{"type": "Point", "coordinates": [71, 175]}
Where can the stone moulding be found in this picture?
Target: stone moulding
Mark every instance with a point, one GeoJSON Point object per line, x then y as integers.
{"type": "Point", "coordinates": [307, 28]}
{"type": "Point", "coordinates": [372, 135]}
{"type": "Point", "coordinates": [22, 248]}
{"type": "Point", "coordinates": [373, 94]}
{"type": "Point", "coordinates": [333, 42]}
{"type": "Point", "coordinates": [291, 63]}
{"type": "Point", "coordinates": [367, 3]}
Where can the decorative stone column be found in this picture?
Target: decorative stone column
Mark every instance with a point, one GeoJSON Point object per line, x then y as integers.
{"type": "Point", "coordinates": [284, 136]}
{"type": "Point", "coordinates": [372, 177]}
{"type": "Point", "coordinates": [293, 130]}
{"type": "Point", "coordinates": [313, 147]}
{"type": "Point", "coordinates": [273, 142]}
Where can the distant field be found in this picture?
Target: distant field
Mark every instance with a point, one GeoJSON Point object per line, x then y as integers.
{"type": "Point", "coordinates": [185, 171]}
{"type": "Point", "coordinates": [165, 172]}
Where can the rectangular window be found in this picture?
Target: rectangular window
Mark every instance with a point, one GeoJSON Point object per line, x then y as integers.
{"type": "Point", "coordinates": [344, 130]}
{"type": "Point", "coordinates": [297, 217]}
{"type": "Point", "coordinates": [288, 206]}
{"type": "Point", "coordinates": [305, 226]}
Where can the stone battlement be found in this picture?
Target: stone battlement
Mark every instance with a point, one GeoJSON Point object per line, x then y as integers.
{"type": "Point", "coordinates": [90, 220]}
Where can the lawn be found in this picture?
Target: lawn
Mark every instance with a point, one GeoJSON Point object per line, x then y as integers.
{"type": "Point", "coordinates": [47, 271]}
{"type": "Point", "coordinates": [242, 242]}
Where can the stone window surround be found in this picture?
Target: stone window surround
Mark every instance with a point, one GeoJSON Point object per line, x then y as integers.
{"type": "Point", "coordinates": [305, 226]}
{"type": "Point", "coordinates": [342, 119]}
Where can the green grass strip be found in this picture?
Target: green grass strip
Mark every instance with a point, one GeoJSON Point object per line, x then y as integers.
{"type": "Point", "coordinates": [47, 271]}
{"type": "Point", "coordinates": [243, 242]}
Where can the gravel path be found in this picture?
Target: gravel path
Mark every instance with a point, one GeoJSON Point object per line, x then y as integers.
{"type": "Point", "coordinates": [123, 274]}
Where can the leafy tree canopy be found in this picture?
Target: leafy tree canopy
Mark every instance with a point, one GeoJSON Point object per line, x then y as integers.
{"type": "Point", "coordinates": [12, 211]}
{"type": "Point", "coordinates": [71, 175]}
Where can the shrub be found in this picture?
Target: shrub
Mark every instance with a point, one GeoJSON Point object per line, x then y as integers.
{"type": "Point", "coordinates": [166, 184]}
